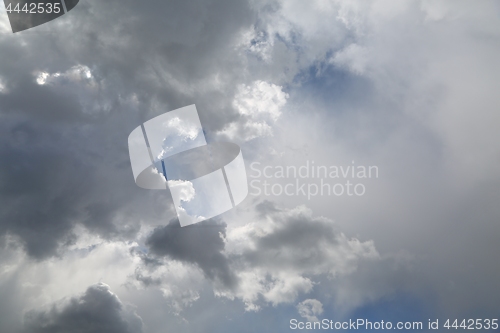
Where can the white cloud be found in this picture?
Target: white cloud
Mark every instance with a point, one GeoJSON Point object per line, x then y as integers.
{"type": "Point", "coordinates": [3, 86]}
{"type": "Point", "coordinates": [180, 283]}
{"type": "Point", "coordinates": [259, 105]}
{"type": "Point", "coordinates": [75, 74]}
{"type": "Point", "coordinates": [261, 99]}
{"type": "Point", "coordinates": [90, 260]}
{"type": "Point", "coordinates": [257, 43]}
{"type": "Point", "coordinates": [281, 253]}
{"type": "Point", "coordinates": [88, 91]}
{"type": "Point", "coordinates": [310, 309]}
{"type": "Point", "coordinates": [182, 189]}
{"type": "Point", "coordinates": [42, 78]}
{"type": "Point", "coordinates": [178, 130]}
{"type": "Point", "coordinates": [187, 130]}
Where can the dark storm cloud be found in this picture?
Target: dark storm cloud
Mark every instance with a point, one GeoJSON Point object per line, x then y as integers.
{"type": "Point", "coordinates": [53, 177]}
{"type": "Point", "coordinates": [201, 244]}
{"type": "Point", "coordinates": [297, 240]}
{"type": "Point", "coordinates": [40, 102]}
{"type": "Point", "coordinates": [161, 51]}
{"type": "Point", "coordinates": [273, 262]}
{"type": "Point", "coordinates": [63, 153]}
{"type": "Point", "coordinates": [98, 310]}
{"type": "Point", "coordinates": [265, 208]}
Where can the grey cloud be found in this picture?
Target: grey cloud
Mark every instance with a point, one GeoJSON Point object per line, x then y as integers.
{"type": "Point", "coordinates": [97, 310]}
{"type": "Point", "coordinates": [287, 250]}
{"type": "Point", "coordinates": [63, 156]}
{"type": "Point", "coordinates": [43, 103]}
{"type": "Point", "coordinates": [201, 244]}
{"type": "Point", "coordinates": [297, 240]}
{"type": "Point", "coordinates": [162, 52]}
{"type": "Point", "coordinates": [273, 262]}
{"type": "Point", "coordinates": [146, 280]}
{"type": "Point", "coordinates": [63, 149]}
{"type": "Point", "coordinates": [266, 207]}
{"type": "Point", "coordinates": [55, 177]}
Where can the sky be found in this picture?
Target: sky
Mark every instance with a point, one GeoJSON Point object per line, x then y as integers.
{"type": "Point", "coordinates": [407, 87]}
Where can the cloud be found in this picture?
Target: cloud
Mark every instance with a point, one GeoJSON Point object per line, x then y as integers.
{"type": "Point", "coordinates": [201, 244]}
{"type": "Point", "coordinates": [260, 99]}
{"type": "Point", "coordinates": [310, 308]}
{"type": "Point", "coordinates": [97, 310]}
{"type": "Point", "coordinates": [180, 283]}
{"type": "Point", "coordinates": [185, 189]}
{"type": "Point", "coordinates": [278, 256]}
{"type": "Point", "coordinates": [178, 131]}
{"type": "Point", "coordinates": [353, 57]}
{"type": "Point", "coordinates": [67, 110]}
{"type": "Point", "coordinates": [3, 86]}
{"type": "Point", "coordinates": [409, 86]}
{"type": "Point", "coordinates": [50, 187]}
{"type": "Point", "coordinates": [259, 106]}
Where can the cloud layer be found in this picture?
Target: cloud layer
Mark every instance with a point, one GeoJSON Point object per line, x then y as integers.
{"type": "Point", "coordinates": [410, 87]}
{"type": "Point", "coordinates": [97, 310]}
